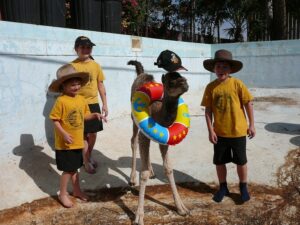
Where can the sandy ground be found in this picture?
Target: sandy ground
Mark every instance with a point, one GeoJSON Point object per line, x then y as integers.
{"type": "Point", "coordinates": [30, 172]}
{"type": "Point", "coordinates": [268, 205]}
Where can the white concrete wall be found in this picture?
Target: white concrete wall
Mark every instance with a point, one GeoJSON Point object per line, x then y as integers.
{"type": "Point", "coordinates": [31, 54]}
{"type": "Point", "coordinates": [271, 64]}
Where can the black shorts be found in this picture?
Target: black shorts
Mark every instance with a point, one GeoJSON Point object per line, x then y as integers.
{"type": "Point", "coordinates": [69, 160]}
{"type": "Point", "coordinates": [93, 126]}
{"type": "Point", "coordinates": [230, 150]}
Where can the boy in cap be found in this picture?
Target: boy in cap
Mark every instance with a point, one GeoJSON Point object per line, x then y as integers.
{"type": "Point", "coordinates": [225, 99]}
{"type": "Point", "coordinates": [68, 114]}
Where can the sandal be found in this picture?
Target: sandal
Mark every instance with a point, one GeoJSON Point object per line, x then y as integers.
{"type": "Point", "coordinates": [89, 168]}
{"type": "Point", "coordinates": [94, 163]}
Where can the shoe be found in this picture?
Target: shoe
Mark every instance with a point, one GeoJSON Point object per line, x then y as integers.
{"type": "Point", "coordinates": [244, 192]}
{"type": "Point", "coordinates": [221, 193]}
{"type": "Point", "coordinates": [89, 168]}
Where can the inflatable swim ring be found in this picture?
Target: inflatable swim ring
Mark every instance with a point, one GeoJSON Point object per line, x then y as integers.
{"type": "Point", "coordinates": [171, 135]}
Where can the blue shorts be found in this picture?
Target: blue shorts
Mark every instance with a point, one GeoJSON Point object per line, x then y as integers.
{"type": "Point", "coordinates": [230, 150]}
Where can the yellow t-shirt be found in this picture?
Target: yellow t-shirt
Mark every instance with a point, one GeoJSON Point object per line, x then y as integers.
{"type": "Point", "coordinates": [70, 112]}
{"type": "Point", "coordinates": [90, 90]}
{"type": "Point", "coordinates": [226, 100]}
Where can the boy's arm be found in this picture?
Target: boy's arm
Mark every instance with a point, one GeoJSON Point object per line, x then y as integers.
{"type": "Point", "coordinates": [212, 135]}
{"type": "Point", "coordinates": [250, 114]}
{"type": "Point", "coordinates": [67, 137]}
{"type": "Point", "coordinates": [102, 93]}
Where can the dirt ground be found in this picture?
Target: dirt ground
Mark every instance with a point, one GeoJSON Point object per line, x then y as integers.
{"type": "Point", "coordinates": [268, 205]}
{"type": "Point", "coordinates": [275, 192]}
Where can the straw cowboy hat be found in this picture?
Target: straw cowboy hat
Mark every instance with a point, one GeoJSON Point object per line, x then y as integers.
{"type": "Point", "coordinates": [223, 56]}
{"type": "Point", "coordinates": [64, 73]}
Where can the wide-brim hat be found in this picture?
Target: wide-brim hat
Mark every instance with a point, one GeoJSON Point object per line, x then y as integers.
{"type": "Point", "coordinates": [223, 56]}
{"type": "Point", "coordinates": [64, 73]}
{"type": "Point", "coordinates": [169, 61]}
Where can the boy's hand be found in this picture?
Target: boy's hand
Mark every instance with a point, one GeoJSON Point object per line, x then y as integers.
{"type": "Point", "coordinates": [68, 138]}
{"type": "Point", "coordinates": [251, 132]}
{"type": "Point", "coordinates": [213, 137]}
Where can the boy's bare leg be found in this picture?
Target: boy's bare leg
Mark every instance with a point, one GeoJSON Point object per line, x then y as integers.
{"type": "Point", "coordinates": [242, 173]}
{"type": "Point", "coordinates": [76, 188]}
{"type": "Point", "coordinates": [222, 173]}
{"type": "Point", "coordinates": [63, 194]}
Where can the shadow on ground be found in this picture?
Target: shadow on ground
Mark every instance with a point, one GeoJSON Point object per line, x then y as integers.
{"type": "Point", "coordinates": [286, 128]}
{"type": "Point", "coordinates": [268, 205]}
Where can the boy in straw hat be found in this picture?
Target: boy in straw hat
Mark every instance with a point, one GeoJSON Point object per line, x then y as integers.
{"type": "Point", "coordinates": [68, 114]}
{"type": "Point", "coordinates": [225, 99]}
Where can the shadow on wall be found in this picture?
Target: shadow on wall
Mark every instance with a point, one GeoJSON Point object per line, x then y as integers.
{"type": "Point", "coordinates": [28, 57]}
{"type": "Point", "coordinates": [37, 164]}
{"type": "Point", "coordinates": [286, 128]}
{"type": "Point", "coordinates": [50, 98]}
{"type": "Point", "coordinates": [40, 167]}
{"type": "Point", "coordinates": [49, 127]}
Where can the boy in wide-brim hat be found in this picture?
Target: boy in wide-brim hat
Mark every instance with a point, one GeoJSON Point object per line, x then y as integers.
{"type": "Point", "coordinates": [65, 73]}
{"type": "Point", "coordinates": [225, 100]}
{"type": "Point", "coordinates": [68, 115]}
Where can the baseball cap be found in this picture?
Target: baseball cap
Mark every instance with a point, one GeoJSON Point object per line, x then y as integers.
{"type": "Point", "coordinates": [83, 41]}
{"type": "Point", "coordinates": [169, 61]}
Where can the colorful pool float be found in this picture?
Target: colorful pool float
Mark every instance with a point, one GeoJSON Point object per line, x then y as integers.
{"type": "Point", "coordinates": [171, 135]}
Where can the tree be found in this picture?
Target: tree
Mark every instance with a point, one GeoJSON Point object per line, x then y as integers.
{"type": "Point", "coordinates": [149, 17]}
{"type": "Point", "coordinates": [238, 12]}
{"type": "Point", "coordinates": [134, 17]}
{"type": "Point", "coordinates": [211, 15]}
{"type": "Point", "coordinates": [278, 31]}
{"type": "Point", "coordinates": [259, 21]}
{"type": "Point", "coordinates": [293, 7]}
